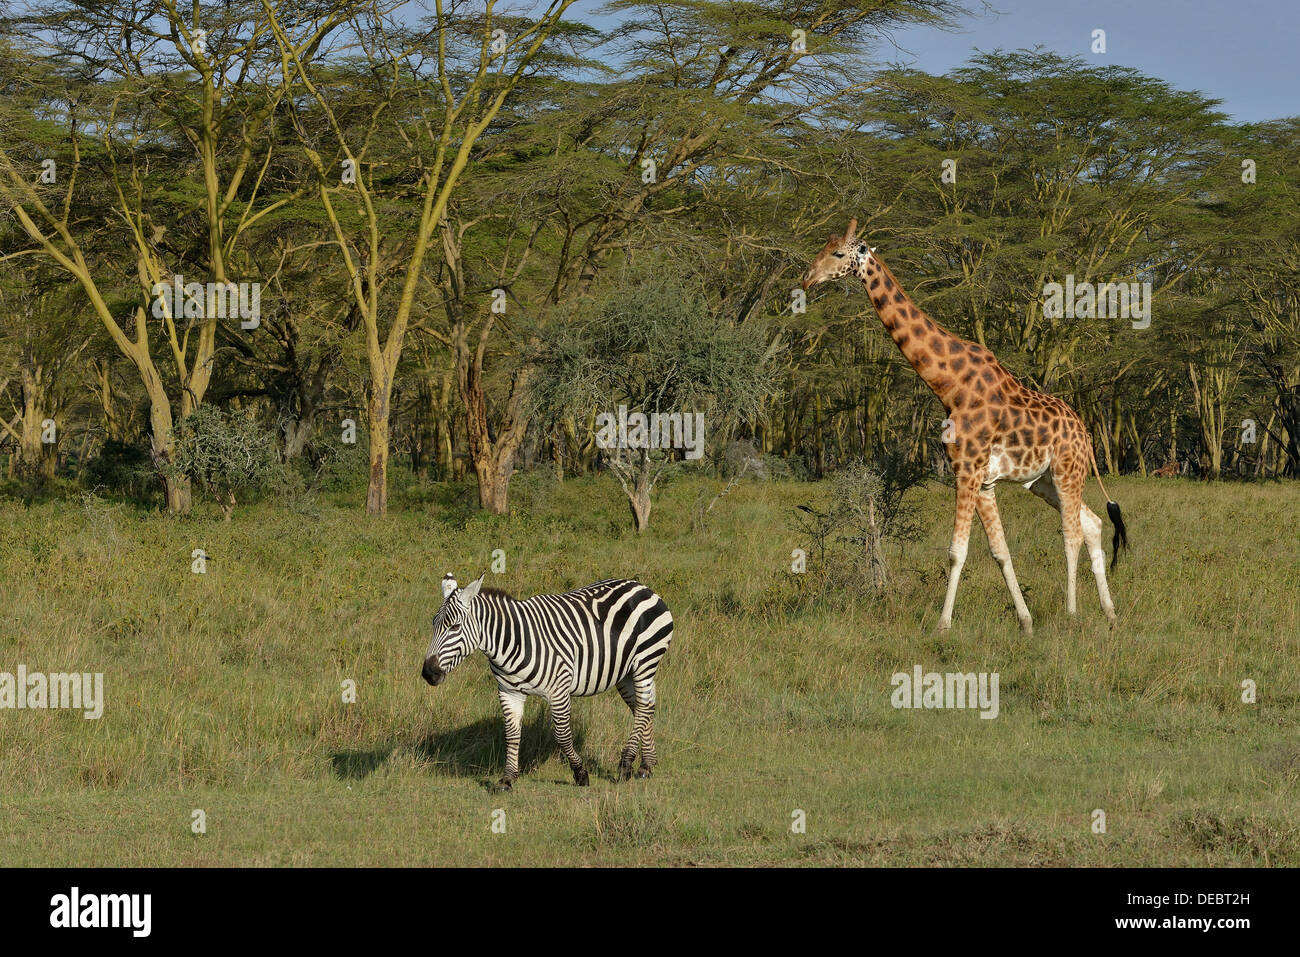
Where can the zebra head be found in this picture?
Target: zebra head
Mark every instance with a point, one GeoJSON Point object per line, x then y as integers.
{"type": "Point", "coordinates": [456, 631]}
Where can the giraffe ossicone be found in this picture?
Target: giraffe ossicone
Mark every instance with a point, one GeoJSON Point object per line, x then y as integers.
{"type": "Point", "coordinates": [1001, 430]}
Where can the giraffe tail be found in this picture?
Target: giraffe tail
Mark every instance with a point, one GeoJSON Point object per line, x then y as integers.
{"type": "Point", "coordinates": [1120, 538]}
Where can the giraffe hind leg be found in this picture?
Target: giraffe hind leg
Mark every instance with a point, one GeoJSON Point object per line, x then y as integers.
{"type": "Point", "coordinates": [1070, 489]}
{"type": "Point", "coordinates": [1092, 528]}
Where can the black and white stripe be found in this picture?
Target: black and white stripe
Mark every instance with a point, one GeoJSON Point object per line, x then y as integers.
{"type": "Point", "coordinates": [612, 634]}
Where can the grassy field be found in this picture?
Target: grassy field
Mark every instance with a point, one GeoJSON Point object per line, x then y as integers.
{"type": "Point", "coordinates": [224, 690]}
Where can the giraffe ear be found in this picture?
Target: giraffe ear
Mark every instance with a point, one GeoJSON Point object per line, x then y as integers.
{"type": "Point", "coordinates": [849, 233]}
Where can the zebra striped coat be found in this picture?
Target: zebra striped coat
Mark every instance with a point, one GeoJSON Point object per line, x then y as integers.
{"type": "Point", "coordinates": [610, 634]}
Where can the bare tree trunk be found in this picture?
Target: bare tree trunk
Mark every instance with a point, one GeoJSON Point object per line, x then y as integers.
{"type": "Point", "coordinates": [162, 447]}
{"type": "Point", "coordinates": [35, 459]}
{"type": "Point", "coordinates": [377, 416]}
{"type": "Point", "coordinates": [639, 497]}
{"type": "Point", "coordinates": [493, 460]}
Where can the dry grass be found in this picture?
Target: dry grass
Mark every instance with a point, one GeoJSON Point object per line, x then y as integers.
{"type": "Point", "coordinates": [224, 690]}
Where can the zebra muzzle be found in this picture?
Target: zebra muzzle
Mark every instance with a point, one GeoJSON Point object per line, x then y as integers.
{"type": "Point", "coordinates": [432, 673]}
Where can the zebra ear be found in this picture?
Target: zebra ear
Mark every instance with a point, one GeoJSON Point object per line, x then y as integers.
{"type": "Point", "coordinates": [470, 591]}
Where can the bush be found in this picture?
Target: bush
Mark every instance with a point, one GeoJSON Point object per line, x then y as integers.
{"type": "Point", "coordinates": [225, 453]}
{"type": "Point", "coordinates": [121, 468]}
{"type": "Point", "coordinates": [867, 512]}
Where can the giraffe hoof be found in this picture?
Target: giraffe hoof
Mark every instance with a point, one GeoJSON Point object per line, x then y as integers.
{"type": "Point", "coordinates": [1027, 625]}
{"type": "Point", "coordinates": [643, 773]}
{"type": "Point", "coordinates": [580, 777]}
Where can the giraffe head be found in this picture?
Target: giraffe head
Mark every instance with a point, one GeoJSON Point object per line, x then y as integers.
{"type": "Point", "coordinates": [840, 256]}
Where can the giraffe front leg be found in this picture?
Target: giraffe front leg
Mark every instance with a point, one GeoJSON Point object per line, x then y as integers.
{"type": "Point", "coordinates": [562, 719]}
{"type": "Point", "coordinates": [512, 709]}
{"type": "Point", "coordinates": [987, 507]}
{"type": "Point", "coordinates": [967, 494]}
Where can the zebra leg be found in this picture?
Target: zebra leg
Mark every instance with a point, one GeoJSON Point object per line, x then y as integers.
{"type": "Point", "coordinates": [512, 708]}
{"type": "Point", "coordinates": [564, 737]}
{"type": "Point", "coordinates": [643, 720]}
{"type": "Point", "coordinates": [627, 691]}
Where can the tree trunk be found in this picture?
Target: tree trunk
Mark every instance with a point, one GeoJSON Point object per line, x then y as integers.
{"type": "Point", "coordinates": [297, 433]}
{"type": "Point", "coordinates": [639, 494]}
{"type": "Point", "coordinates": [493, 460]}
{"type": "Point", "coordinates": [176, 488]}
{"type": "Point", "coordinates": [35, 459]}
{"type": "Point", "coordinates": [377, 413]}
{"type": "Point", "coordinates": [494, 487]}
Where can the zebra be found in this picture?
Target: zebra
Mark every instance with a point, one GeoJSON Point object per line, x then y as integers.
{"type": "Point", "coordinates": [611, 633]}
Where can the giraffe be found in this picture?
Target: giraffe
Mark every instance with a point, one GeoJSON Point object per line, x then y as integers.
{"type": "Point", "coordinates": [997, 430]}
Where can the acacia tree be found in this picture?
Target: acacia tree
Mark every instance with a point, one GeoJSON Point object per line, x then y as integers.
{"type": "Point", "coordinates": [42, 334]}
{"type": "Point", "coordinates": [705, 93]}
{"type": "Point", "coordinates": [125, 98]}
{"type": "Point", "coordinates": [478, 60]}
{"type": "Point", "coordinates": [652, 346]}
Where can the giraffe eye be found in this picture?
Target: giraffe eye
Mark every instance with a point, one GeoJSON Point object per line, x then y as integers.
{"type": "Point", "coordinates": [838, 255]}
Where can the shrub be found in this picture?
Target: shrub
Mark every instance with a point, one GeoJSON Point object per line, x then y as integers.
{"type": "Point", "coordinates": [121, 468]}
{"type": "Point", "coordinates": [867, 511]}
{"type": "Point", "coordinates": [225, 453]}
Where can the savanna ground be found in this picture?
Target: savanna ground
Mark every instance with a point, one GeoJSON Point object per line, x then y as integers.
{"type": "Point", "coordinates": [224, 690]}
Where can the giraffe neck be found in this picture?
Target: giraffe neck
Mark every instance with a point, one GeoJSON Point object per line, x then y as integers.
{"type": "Point", "coordinates": [924, 343]}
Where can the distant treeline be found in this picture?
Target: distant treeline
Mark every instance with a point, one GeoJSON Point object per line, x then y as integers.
{"type": "Point", "coordinates": [466, 234]}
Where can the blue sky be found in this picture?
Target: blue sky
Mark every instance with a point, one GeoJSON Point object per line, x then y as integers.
{"type": "Point", "coordinates": [1242, 52]}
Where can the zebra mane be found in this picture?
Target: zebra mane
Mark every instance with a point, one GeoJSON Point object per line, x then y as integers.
{"type": "Point", "coordinates": [499, 592]}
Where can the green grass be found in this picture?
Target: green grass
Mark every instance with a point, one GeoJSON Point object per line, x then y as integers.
{"type": "Point", "coordinates": [224, 690]}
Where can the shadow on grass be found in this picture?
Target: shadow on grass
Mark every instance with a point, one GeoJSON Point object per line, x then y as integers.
{"type": "Point", "coordinates": [474, 751]}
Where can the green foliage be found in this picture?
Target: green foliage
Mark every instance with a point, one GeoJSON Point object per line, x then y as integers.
{"type": "Point", "coordinates": [122, 468]}
{"type": "Point", "coordinates": [226, 453]}
{"type": "Point", "coordinates": [869, 510]}
{"type": "Point", "coordinates": [652, 340]}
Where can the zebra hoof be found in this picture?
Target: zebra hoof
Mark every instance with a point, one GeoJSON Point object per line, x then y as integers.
{"type": "Point", "coordinates": [580, 778]}
{"type": "Point", "coordinates": [643, 773]}
{"type": "Point", "coordinates": [505, 784]}
{"type": "Point", "coordinates": [625, 772]}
